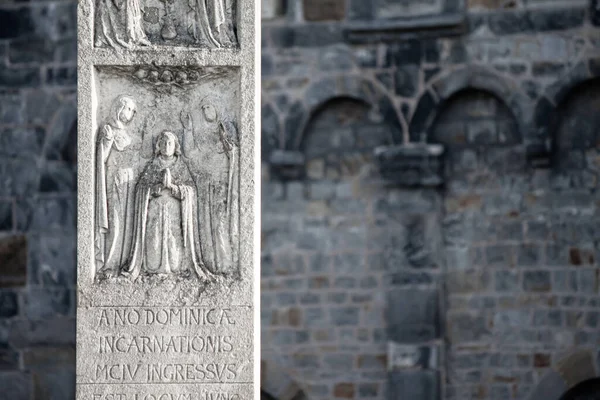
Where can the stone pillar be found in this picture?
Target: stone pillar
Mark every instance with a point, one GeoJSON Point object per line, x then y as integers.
{"type": "Point", "coordinates": [168, 226]}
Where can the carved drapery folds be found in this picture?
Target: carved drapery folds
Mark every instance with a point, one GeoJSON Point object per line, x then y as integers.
{"type": "Point", "coordinates": [138, 23]}
{"type": "Point", "coordinates": [167, 177]}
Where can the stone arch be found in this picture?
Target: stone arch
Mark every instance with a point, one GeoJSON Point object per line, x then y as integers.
{"type": "Point", "coordinates": [575, 368]}
{"type": "Point", "coordinates": [571, 125]}
{"type": "Point", "coordinates": [445, 87]}
{"type": "Point", "coordinates": [276, 384]}
{"type": "Point", "coordinates": [546, 112]}
{"type": "Point", "coordinates": [473, 117]}
{"type": "Point", "coordinates": [326, 89]}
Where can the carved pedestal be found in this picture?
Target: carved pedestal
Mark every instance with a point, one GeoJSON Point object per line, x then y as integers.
{"type": "Point", "coordinates": [168, 224]}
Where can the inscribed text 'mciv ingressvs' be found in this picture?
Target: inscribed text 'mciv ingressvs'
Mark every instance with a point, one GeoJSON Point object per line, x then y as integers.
{"type": "Point", "coordinates": [167, 200]}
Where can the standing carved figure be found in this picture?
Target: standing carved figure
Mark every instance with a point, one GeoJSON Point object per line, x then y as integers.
{"type": "Point", "coordinates": [165, 227]}
{"type": "Point", "coordinates": [219, 190]}
{"type": "Point", "coordinates": [116, 170]}
{"type": "Point", "coordinates": [119, 22]}
{"type": "Point", "coordinates": [208, 22]}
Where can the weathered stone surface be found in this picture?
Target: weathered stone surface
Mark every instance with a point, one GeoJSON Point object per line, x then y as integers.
{"type": "Point", "coordinates": [13, 252]}
{"type": "Point", "coordinates": [324, 10]}
{"type": "Point", "coordinates": [414, 385]}
{"type": "Point", "coordinates": [167, 199]}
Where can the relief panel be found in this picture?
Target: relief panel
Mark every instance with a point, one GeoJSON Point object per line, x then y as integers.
{"type": "Point", "coordinates": [167, 174]}
{"type": "Point", "coordinates": [139, 23]}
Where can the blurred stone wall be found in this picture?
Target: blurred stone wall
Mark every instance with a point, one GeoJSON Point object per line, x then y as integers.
{"type": "Point", "coordinates": [37, 199]}
{"type": "Point", "coordinates": [480, 288]}
{"type": "Point", "coordinates": [485, 287]}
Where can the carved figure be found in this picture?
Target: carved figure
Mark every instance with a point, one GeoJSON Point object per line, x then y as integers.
{"type": "Point", "coordinates": [165, 228]}
{"type": "Point", "coordinates": [168, 31]}
{"type": "Point", "coordinates": [116, 154]}
{"type": "Point", "coordinates": [119, 22]}
{"type": "Point", "coordinates": [219, 195]}
{"type": "Point", "coordinates": [208, 23]}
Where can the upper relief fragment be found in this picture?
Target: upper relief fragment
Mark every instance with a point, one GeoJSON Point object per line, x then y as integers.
{"type": "Point", "coordinates": [139, 23]}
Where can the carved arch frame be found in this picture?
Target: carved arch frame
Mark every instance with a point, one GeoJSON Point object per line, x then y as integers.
{"type": "Point", "coordinates": [443, 88]}
{"type": "Point", "coordinates": [546, 115]}
{"type": "Point", "coordinates": [346, 86]}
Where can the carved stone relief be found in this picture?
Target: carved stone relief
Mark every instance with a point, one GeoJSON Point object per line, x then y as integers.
{"type": "Point", "coordinates": [135, 23]}
{"type": "Point", "coordinates": [167, 173]}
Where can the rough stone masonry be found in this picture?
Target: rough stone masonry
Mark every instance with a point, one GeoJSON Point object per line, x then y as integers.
{"type": "Point", "coordinates": [167, 201]}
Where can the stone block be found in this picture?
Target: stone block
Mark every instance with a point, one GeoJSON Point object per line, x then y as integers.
{"type": "Point", "coordinates": [16, 22]}
{"type": "Point", "coordinates": [6, 215]}
{"type": "Point", "coordinates": [507, 281]}
{"type": "Point", "coordinates": [467, 327]}
{"type": "Point", "coordinates": [412, 315]}
{"type": "Point", "coordinates": [61, 76]}
{"type": "Point", "coordinates": [11, 108]}
{"type": "Point", "coordinates": [408, 52]}
{"type": "Point", "coordinates": [411, 164]}
{"type": "Point", "coordinates": [557, 19]}
{"type": "Point", "coordinates": [344, 316]}
{"type": "Point", "coordinates": [13, 253]}
{"type": "Point", "coordinates": [272, 9]}
{"type": "Point", "coordinates": [58, 331]}
{"type": "Point", "coordinates": [344, 390]}
{"type": "Point", "coordinates": [16, 385]}
{"type": "Point", "coordinates": [324, 10]}
{"type": "Point", "coordinates": [410, 356]}
{"type": "Point", "coordinates": [57, 383]}
{"type": "Point", "coordinates": [407, 80]}
{"type": "Point", "coordinates": [287, 164]}
{"type": "Point", "coordinates": [537, 281]}
{"type": "Point", "coordinates": [9, 358]}
{"type": "Point", "coordinates": [414, 385]}
{"type": "Point", "coordinates": [22, 142]}
{"type": "Point", "coordinates": [9, 303]}
{"type": "Point", "coordinates": [41, 302]}
{"type": "Point", "coordinates": [48, 213]}
{"type": "Point", "coordinates": [510, 22]}
{"type": "Point", "coordinates": [57, 177]}
{"type": "Point", "coordinates": [12, 77]}
{"type": "Point", "coordinates": [317, 35]}
{"type": "Point", "coordinates": [564, 281]}
{"type": "Point", "coordinates": [37, 358]}
{"type": "Point", "coordinates": [30, 50]}
{"type": "Point", "coordinates": [339, 362]}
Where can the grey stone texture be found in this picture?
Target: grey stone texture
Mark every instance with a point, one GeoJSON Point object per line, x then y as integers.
{"type": "Point", "coordinates": [495, 268]}
{"type": "Point", "coordinates": [165, 283]}
{"type": "Point", "coordinates": [511, 248]}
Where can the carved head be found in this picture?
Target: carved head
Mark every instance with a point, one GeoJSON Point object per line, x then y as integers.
{"type": "Point", "coordinates": [167, 145]}
{"type": "Point", "coordinates": [123, 109]}
{"type": "Point", "coordinates": [210, 113]}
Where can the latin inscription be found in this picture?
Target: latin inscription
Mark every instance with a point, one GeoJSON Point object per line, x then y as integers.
{"type": "Point", "coordinates": [204, 395]}
{"type": "Point", "coordinates": [166, 372]}
{"type": "Point", "coordinates": [166, 345]}
{"type": "Point", "coordinates": [165, 316]}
